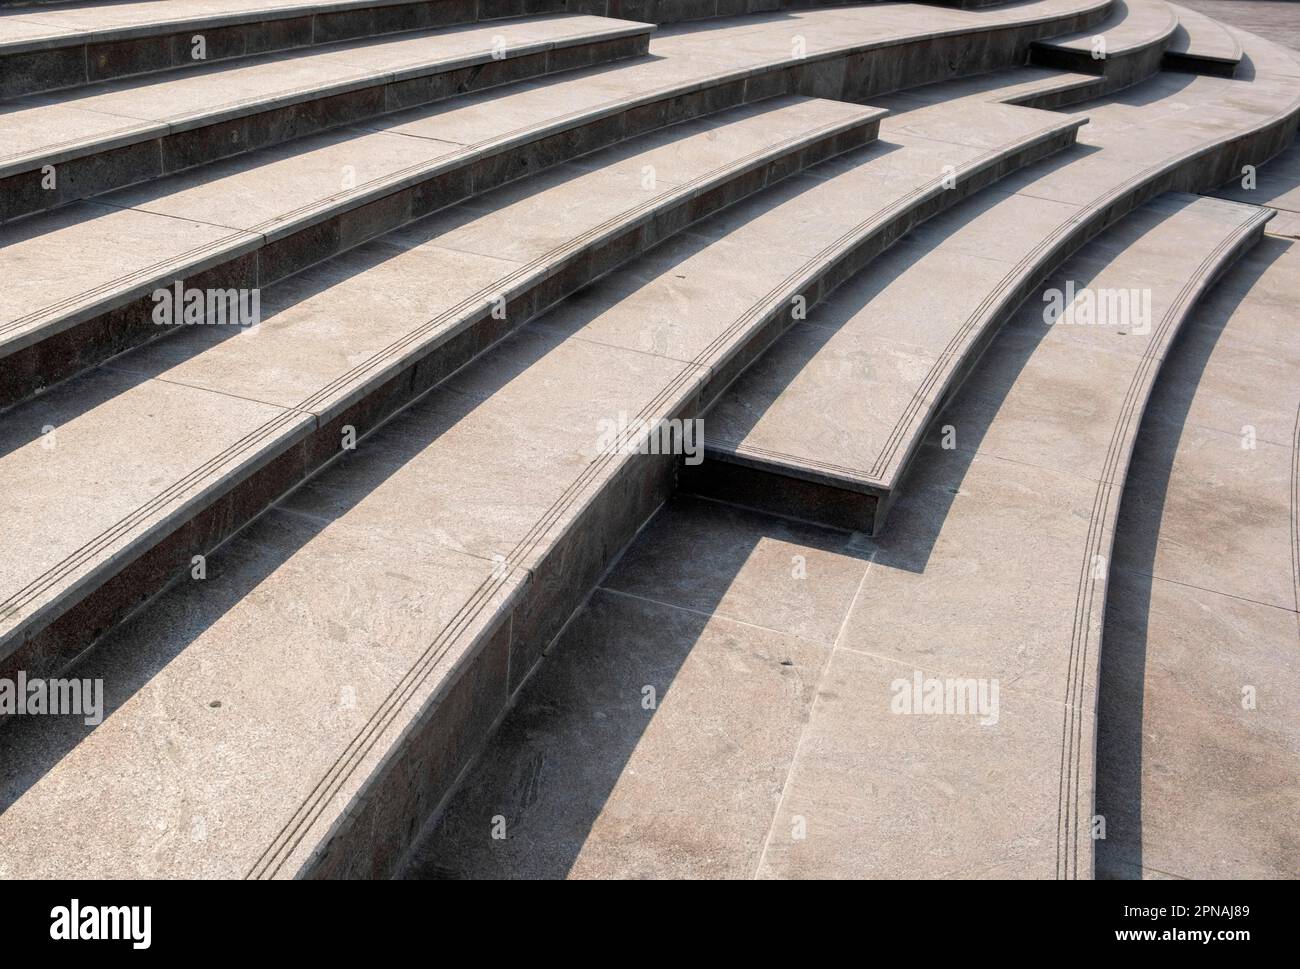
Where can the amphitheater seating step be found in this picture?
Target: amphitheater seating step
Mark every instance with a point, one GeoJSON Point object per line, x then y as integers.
{"type": "Point", "coordinates": [251, 409]}
{"type": "Point", "coordinates": [1201, 617]}
{"type": "Point", "coordinates": [825, 427]}
{"type": "Point", "coordinates": [171, 121]}
{"type": "Point", "coordinates": [571, 506]}
{"type": "Point", "coordinates": [849, 53]}
{"type": "Point", "coordinates": [1127, 48]}
{"type": "Point", "coordinates": [1025, 502]}
{"type": "Point", "coordinates": [355, 381]}
{"type": "Point", "coordinates": [1201, 45]}
{"type": "Point", "coordinates": [70, 45]}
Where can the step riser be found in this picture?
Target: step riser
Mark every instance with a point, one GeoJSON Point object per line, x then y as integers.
{"type": "Point", "coordinates": [50, 640]}
{"type": "Point", "coordinates": [420, 774]}
{"type": "Point", "coordinates": [855, 76]}
{"type": "Point", "coordinates": [104, 170]}
{"type": "Point", "coordinates": [1116, 71]}
{"type": "Point", "coordinates": [1188, 64]}
{"type": "Point", "coordinates": [778, 490]}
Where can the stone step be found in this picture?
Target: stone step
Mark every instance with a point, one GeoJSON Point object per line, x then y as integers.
{"type": "Point", "coordinates": [1127, 48]}
{"type": "Point", "coordinates": [219, 420]}
{"type": "Point", "coordinates": [826, 426]}
{"type": "Point", "coordinates": [508, 491]}
{"type": "Point", "coordinates": [71, 45]}
{"type": "Point", "coordinates": [850, 53]}
{"type": "Point", "coordinates": [247, 222]}
{"type": "Point", "coordinates": [1201, 45]}
{"type": "Point", "coordinates": [809, 765]}
{"type": "Point", "coordinates": [1198, 664]}
{"type": "Point", "coordinates": [120, 132]}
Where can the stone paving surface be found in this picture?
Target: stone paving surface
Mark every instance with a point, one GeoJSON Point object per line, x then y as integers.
{"type": "Point", "coordinates": [1278, 20]}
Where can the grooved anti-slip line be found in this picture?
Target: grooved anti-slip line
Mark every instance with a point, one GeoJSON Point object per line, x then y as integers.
{"type": "Point", "coordinates": [1102, 519]}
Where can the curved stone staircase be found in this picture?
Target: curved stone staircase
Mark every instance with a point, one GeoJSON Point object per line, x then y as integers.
{"type": "Point", "coordinates": [536, 438]}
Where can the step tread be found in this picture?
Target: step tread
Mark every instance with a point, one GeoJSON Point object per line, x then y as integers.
{"type": "Point", "coordinates": [1203, 37]}
{"type": "Point", "coordinates": [787, 413]}
{"type": "Point", "coordinates": [49, 128]}
{"type": "Point", "coordinates": [36, 28]}
{"type": "Point", "coordinates": [1133, 26]}
{"type": "Point", "coordinates": [433, 278]}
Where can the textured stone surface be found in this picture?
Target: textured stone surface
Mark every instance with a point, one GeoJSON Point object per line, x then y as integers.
{"type": "Point", "coordinates": [887, 348]}
{"type": "Point", "coordinates": [724, 702]}
{"type": "Point", "coordinates": [1197, 739]}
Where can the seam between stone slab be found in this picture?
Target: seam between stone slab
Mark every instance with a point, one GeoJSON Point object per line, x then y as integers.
{"type": "Point", "coordinates": [369, 370]}
{"type": "Point", "coordinates": [110, 365]}
{"type": "Point", "coordinates": [58, 152]}
{"type": "Point", "coordinates": [1089, 599]}
{"type": "Point", "coordinates": [1155, 576]}
{"type": "Point", "coordinates": [1218, 431]}
{"type": "Point", "coordinates": [812, 712]}
{"type": "Point", "coordinates": [342, 522]}
{"type": "Point", "coordinates": [715, 614]}
{"type": "Point", "coordinates": [883, 474]}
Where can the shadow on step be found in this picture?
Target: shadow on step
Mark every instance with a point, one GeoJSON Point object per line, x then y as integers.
{"type": "Point", "coordinates": [132, 654]}
{"type": "Point", "coordinates": [654, 738]}
{"type": "Point", "coordinates": [1121, 683]}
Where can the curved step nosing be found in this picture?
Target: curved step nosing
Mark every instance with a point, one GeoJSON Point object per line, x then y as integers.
{"type": "Point", "coordinates": [1078, 230]}
{"type": "Point", "coordinates": [94, 563]}
{"type": "Point", "coordinates": [1090, 606]}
